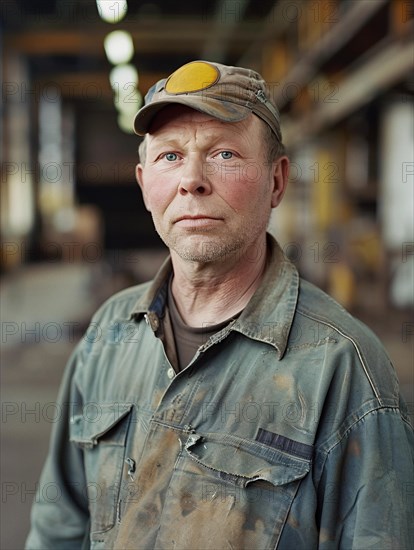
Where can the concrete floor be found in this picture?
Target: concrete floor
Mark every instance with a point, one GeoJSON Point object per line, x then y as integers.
{"type": "Point", "coordinates": [31, 371]}
{"type": "Point", "coordinates": [43, 309]}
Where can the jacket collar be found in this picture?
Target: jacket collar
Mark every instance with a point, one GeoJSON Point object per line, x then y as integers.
{"type": "Point", "coordinates": [267, 317]}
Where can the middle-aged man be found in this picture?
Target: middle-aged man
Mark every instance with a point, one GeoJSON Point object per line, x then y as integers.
{"type": "Point", "coordinates": [227, 403]}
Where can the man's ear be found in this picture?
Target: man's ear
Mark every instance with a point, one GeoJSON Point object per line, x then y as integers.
{"type": "Point", "coordinates": [280, 172]}
{"type": "Point", "coordinates": [139, 174]}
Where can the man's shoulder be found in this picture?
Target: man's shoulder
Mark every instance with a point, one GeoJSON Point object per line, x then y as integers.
{"type": "Point", "coordinates": [122, 303]}
{"type": "Point", "coordinates": [318, 307]}
{"type": "Point", "coordinates": [353, 342]}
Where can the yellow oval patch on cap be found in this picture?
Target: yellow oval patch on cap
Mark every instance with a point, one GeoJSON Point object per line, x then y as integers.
{"type": "Point", "coordinates": [193, 77]}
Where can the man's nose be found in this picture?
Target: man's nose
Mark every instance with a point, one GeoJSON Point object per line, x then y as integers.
{"type": "Point", "coordinates": [194, 178]}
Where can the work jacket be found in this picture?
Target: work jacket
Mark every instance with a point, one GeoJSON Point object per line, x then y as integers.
{"type": "Point", "coordinates": [286, 430]}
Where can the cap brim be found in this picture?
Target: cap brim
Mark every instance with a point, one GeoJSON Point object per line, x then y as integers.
{"type": "Point", "coordinates": [217, 108]}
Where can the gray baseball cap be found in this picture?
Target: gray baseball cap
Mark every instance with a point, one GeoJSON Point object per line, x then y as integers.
{"type": "Point", "coordinates": [227, 93]}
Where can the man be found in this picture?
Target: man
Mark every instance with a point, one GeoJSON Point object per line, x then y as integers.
{"type": "Point", "coordinates": [227, 403]}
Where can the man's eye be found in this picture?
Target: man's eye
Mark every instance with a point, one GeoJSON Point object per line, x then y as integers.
{"type": "Point", "coordinates": [226, 155]}
{"type": "Point", "coordinates": [171, 156]}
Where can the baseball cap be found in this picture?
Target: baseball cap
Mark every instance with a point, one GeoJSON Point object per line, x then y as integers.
{"type": "Point", "coordinates": [228, 93]}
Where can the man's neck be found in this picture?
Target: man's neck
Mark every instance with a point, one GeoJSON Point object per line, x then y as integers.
{"type": "Point", "coordinates": [207, 294]}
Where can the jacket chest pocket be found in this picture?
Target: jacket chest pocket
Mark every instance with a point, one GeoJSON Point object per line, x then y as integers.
{"type": "Point", "coordinates": [102, 436]}
{"type": "Point", "coordinates": [229, 492]}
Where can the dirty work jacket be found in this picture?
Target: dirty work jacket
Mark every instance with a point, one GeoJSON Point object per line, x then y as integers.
{"type": "Point", "coordinates": [285, 431]}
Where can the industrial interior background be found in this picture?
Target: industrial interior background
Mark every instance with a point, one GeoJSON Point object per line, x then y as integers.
{"type": "Point", "coordinates": [73, 226]}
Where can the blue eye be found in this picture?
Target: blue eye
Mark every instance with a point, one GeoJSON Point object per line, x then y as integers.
{"type": "Point", "coordinates": [170, 156]}
{"type": "Point", "coordinates": [226, 155]}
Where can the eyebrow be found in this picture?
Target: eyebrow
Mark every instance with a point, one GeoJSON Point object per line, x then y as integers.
{"type": "Point", "coordinates": [165, 141]}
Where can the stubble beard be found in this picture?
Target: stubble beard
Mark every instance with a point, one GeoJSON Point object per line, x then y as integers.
{"type": "Point", "coordinates": [210, 249]}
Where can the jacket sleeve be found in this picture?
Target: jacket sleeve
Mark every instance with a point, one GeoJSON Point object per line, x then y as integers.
{"type": "Point", "coordinates": [60, 516]}
{"type": "Point", "coordinates": [366, 489]}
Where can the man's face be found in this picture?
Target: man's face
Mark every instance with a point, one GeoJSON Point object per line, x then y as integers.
{"type": "Point", "coordinates": [208, 184]}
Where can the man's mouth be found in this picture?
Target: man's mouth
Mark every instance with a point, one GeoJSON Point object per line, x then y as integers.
{"type": "Point", "coordinates": [196, 217]}
{"type": "Point", "coordinates": [197, 220]}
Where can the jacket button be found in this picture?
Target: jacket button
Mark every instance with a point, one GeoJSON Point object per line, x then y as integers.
{"type": "Point", "coordinates": [170, 373]}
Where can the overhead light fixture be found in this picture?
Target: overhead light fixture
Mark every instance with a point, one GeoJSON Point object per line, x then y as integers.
{"type": "Point", "coordinates": [112, 11]}
{"type": "Point", "coordinates": [128, 102]}
{"type": "Point", "coordinates": [119, 47]}
{"type": "Point", "coordinates": [125, 122]}
{"type": "Point", "coordinates": [122, 76]}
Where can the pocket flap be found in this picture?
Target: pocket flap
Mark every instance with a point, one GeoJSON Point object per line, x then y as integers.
{"type": "Point", "coordinates": [106, 422]}
{"type": "Point", "coordinates": [243, 462]}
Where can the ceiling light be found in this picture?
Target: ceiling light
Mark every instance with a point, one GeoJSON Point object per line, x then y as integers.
{"type": "Point", "coordinates": [119, 47]}
{"type": "Point", "coordinates": [123, 77]}
{"type": "Point", "coordinates": [128, 102]}
{"type": "Point", "coordinates": [112, 11]}
{"type": "Point", "coordinates": [125, 122]}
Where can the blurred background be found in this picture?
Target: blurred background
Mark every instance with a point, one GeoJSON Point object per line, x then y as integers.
{"type": "Point", "coordinates": [74, 229]}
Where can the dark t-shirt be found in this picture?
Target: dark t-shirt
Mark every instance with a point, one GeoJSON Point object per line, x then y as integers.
{"type": "Point", "coordinates": [182, 341]}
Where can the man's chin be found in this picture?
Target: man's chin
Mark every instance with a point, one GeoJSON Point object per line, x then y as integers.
{"type": "Point", "coordinates": [207, 251]}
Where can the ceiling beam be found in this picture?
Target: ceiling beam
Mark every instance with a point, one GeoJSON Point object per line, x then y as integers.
{"type": "Point", "coordinates": [163, 37]}
{"type": "Point", "coordinates": [91, 86]}
{"type": "Point", "coordinates": [386, 67]}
